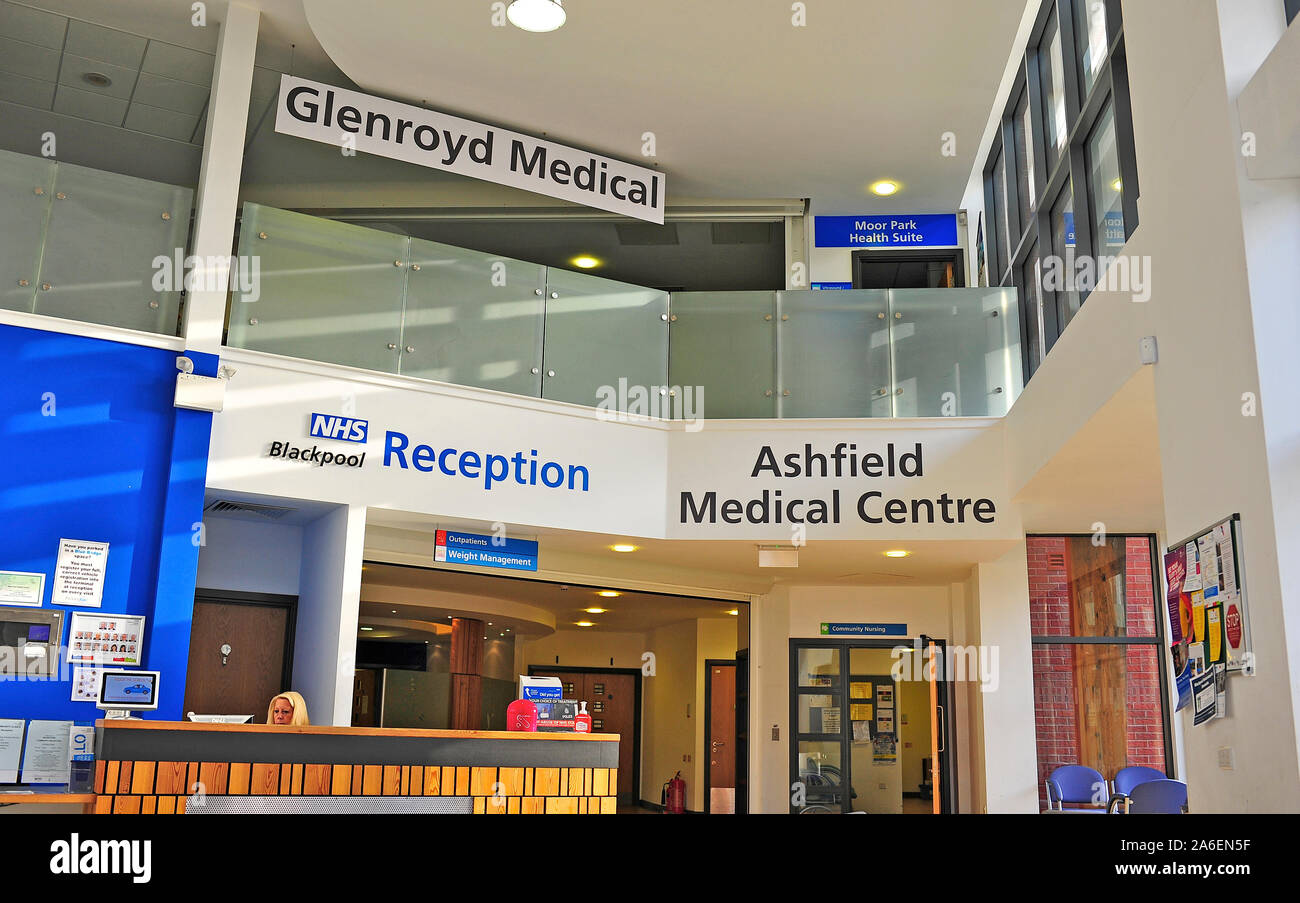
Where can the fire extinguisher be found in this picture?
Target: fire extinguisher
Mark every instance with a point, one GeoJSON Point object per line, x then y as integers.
{"type": "Point", "coordinates": [673, 797]}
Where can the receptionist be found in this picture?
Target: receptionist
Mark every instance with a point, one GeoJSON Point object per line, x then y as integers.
{"type": "Point", "coordinates": [287, 708]}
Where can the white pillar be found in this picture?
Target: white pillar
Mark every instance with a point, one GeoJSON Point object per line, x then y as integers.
{"type": "Point", "coordinates": [1010, 761]}
{"type": "Point", "coordinates": [223, 155]}
{"type": "Point", "coordinates": [329, 601]}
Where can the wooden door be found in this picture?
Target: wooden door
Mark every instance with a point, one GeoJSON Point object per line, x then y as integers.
{"type": "Point", "coordinates": [611, 702]}
{"type": "Point", "coordinates": [245, 681]}
{"type": "Point", "coordinates": [721, 738]}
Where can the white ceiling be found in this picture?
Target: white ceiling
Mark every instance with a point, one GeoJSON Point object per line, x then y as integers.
{"type": "Point", "coordinates": [742, 103]}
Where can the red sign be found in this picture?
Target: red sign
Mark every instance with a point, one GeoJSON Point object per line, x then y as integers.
{"type": "Point", "coordinates": [1234, 626]}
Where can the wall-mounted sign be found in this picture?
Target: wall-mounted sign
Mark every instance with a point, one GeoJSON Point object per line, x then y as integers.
{"type": "Point", "coordinates": [842, 629]}
{"type": "Point", "coordinates": [79, 573]}
{"type": "Point", "coordinates": [831, 286]}
{"type": "Point", "coordinates": [355, 121]}
{"type": "Point", "coordinates": [485, 551]}
{"type": "Point", "coordinates": [911, 230]}
{"type": "Point", "coordinates": [22, 588]}
{"type": "Point", "coordinates": [105, 640]}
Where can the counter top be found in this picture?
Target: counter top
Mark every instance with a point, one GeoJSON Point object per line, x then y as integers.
{"type": "Point", "coordinates": [323, 730]}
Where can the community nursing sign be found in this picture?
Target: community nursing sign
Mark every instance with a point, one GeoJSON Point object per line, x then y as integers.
{"type": "Point", "coordinates": [354, 121]}
{"type": "Point", "coordinates": [902, 230]}
{"type": "Point", "coordinates": [485, 551]}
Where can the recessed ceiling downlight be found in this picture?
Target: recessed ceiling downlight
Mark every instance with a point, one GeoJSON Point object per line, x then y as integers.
{"type": "Point", "coordinates": [884, 187]}
{"type": "Point", "coordinates": [96, 79]}
{"type": "Point", "coordinates": [536, 15]}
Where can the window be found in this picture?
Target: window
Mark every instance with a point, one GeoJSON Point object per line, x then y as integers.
{"type": "Point", "coordinates": [1098, 655]}
{"type": "Point", "coordinates": [1052, 66]}
{"type": "Point", "coordinates": [1067, 299]}
{"type": "Point", "coordinates": [1064, 152]}
{"type": "Point", "coordinates": [1105, 187]}
{"type": "Point", "coordinates": [1090, 31]}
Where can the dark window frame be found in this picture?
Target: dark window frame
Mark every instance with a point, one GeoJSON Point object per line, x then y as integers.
{"type": "Point", "coordinates": [1157, 640]}
{"type": "Point", "coordinates": [1082, 112]}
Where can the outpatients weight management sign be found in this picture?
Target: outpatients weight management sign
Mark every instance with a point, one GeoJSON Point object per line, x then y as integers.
{"type": "Point", "coordinates": [401, 131]}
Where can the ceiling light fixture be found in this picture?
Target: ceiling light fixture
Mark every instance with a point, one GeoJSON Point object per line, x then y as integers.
{"type": "Point", "coordinates": [609, 593]}
{"type": "Point", "coordinates": [897, 553]}
{"type": "Point", "coordinates": [735, 612]}
{"type": "Point", "coordinates": [623, 547]}
{"type": "Point", "coordinates": [596, 611]}
{"type": "Point", "coordinates": [96, 79]}
{"type": "Point", "coordinates": [367, 628]}
{"type": "Point", "coordinates": [885, 187]}
{"type": "Point", "coordinates": [536, 15]}
{"type": "Point", "coordinates": [585, 262]}
{"type": "Point", "coordinates": [585, 623]}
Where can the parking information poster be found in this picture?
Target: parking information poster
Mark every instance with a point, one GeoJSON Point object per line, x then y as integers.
{"type": "Point", "coordinates": [106, 640]}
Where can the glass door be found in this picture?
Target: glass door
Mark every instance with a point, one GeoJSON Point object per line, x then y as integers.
{"type": "Point", "coordinates": [872, 727]}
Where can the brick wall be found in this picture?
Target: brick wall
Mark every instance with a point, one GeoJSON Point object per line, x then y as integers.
{"type": "Point", "coordinates": [1055, 711]}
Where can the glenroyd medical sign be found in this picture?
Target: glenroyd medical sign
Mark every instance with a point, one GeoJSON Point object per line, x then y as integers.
{"type": "Point", "coordinates": [386, 128]}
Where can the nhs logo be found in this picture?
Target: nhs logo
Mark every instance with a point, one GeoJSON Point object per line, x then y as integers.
{"type": "Point", "coordinates": [331, 426]}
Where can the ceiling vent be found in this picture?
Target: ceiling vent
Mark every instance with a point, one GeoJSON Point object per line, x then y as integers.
{"type": "Point", "coordinates": [634, 234]}
{"type": "Point", "coordinates": [269, 512]}
{"type": "Point", "coordinates": [742, 233]}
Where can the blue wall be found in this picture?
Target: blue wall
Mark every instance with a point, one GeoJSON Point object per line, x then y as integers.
{"type": "Point", "coordinates": [115, 463]}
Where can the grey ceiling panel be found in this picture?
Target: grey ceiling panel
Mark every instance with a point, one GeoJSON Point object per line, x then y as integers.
{"type": "Point", "coordinates": [105, 44]}
{"type": "Point", "coordinates": [95, 107]}
{"type": "Point", "coordinates": [27, 91]}
{"type": "Point", "coordinates": [74, 67]}
{"type": "Point", "coordinates": [30, 60]}
{"type": "Point", "coordinates": [180, 63]}
{"type": "Point", "coordinates": [32, 25]}
{"type": "Point", "coordinates": [164, 123]}
{"type": "Point", "coordinates": [156, 91]}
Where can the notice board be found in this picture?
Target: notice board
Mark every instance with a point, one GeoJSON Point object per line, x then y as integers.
{"type": "Point", "coordinates": [1206, 595]}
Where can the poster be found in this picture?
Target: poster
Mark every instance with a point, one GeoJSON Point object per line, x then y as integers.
{"type": "Point", "coordinates": [861, 732]}
{"type": "Point", "coordinates": [1204, 696]}
{"type": "Point", "coordinates": [1208, 554]}
{"type": "Point", "coordinates": [1214, 634]}
{"type": "Point", "coordinates": [1183, 683]}
{"type": "Point", "coordinates": [831, 720]}
{"type": "Point", "coordinates": [100, 639]}
{"type": "Point", "coordinates": [860, 711]}
{"type": "Point", "coordinates": [884, 696]}
{"type": "Point", "coordinates": [884, 750]}
{"type": "Point", "coordinates": [860, 689]}
{"type": "Point", "coordinates": [1220, 690]}
{"type": "Point", "coordinates": [45, 757]}
{"type": "Point", "coordinates": [22, 588]}
{"type": "Point", "coordinates": [885, 721]}
{"type": "Point", "coordinates": [79, 573]}
{"type": "Point", "coordinates": [81, 744]}
{"type": "Point", "coordinates": [85, 684]}
{"type": "Point", "coordinates": [11, 748]}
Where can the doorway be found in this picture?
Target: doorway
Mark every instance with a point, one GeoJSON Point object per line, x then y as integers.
{"type": "Point", "coordinates": [257, 630]}
{"type": "Point", "coordinates": [720, 777]}
{"type": "Point", "coordinates": [939, 268]}
{"type": "Point", "coordinates": [872, 728]}
{"type": "Point", "coordinates": [613, 698]}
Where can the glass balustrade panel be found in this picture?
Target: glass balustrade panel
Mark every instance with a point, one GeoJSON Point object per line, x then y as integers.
{"type": "Point", "coordinates": [722, 354]}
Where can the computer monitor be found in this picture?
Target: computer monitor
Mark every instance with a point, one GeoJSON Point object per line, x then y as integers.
{"type": "Point", "coordinates": [126, 691]}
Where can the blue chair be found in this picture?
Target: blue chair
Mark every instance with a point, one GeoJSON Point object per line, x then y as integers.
{"type": "Point", "coordinates": [1076, 784]}
{"type": "Point", "coordinates": [1162, 797]}
{"type": "Point", "coordinates": [1128, 778]}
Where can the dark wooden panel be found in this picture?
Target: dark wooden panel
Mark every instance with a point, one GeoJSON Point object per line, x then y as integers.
{"type": "Point", "coordinates": [252, 673]}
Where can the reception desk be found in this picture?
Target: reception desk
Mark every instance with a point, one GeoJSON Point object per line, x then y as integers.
{"type": "Point", "coordinates": [180, 767]}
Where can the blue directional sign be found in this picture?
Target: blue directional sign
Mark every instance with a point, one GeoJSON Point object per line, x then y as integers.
{"type": "Point", "coordinates": [485, 551]}
{"type": "Point", "coordinates": [904, 230]}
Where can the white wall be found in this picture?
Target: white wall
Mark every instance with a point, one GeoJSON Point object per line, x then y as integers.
{"type": "Point", "coordinates": [328, 603]}
{"type": "Point", "coordinates": [246, 556]}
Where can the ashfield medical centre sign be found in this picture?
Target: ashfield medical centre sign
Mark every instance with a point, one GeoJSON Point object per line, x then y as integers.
{"type": "Point", "coordinates": [386, 128]}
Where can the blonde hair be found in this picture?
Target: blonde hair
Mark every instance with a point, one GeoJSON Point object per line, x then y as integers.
{"type": "Point", "coordinates": [294, 699]}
